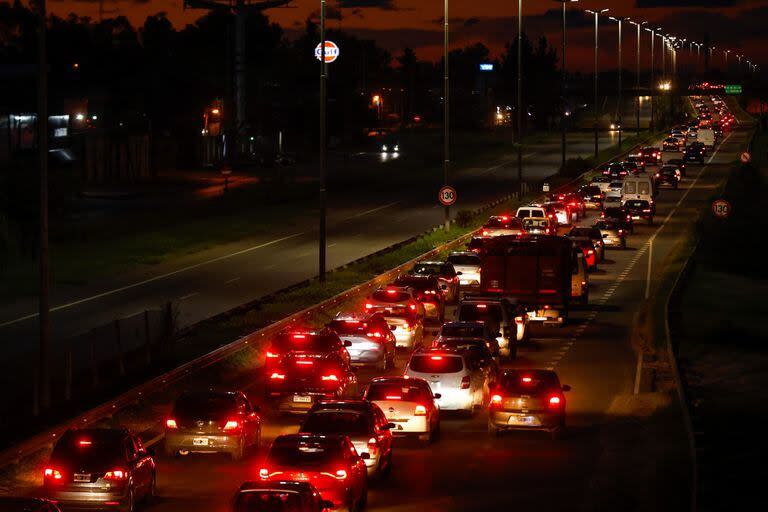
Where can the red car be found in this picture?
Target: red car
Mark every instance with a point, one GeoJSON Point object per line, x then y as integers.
{"type": "Point", "coordinates": [329, 462]}
{"type": "Point", "coordinates": [590, 255]}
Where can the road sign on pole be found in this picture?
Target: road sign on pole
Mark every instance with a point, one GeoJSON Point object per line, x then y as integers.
{"type": "Point", "coordinates": [721, 208]}
{"type": "Point", "coordinates": [332, 52]}
{"type": "Point", "coordinates": [447, 196]}
{"type": "Point", "coordinates": [545, 187]}
{"type": "Point", "coordinates": [746, 157]}
{"type": "Point", "coordinates": [733, 89]}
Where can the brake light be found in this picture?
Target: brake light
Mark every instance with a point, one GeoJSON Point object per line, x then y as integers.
{"type": "Point", "coordinates": [504, 217]}
{"type": "Point", "coordinates": [602, 215]}
{"type": "Point", "coordinates": [629, 217]}
{"type": "Point", "coordinates": [375, 334]}
{"type": "Point", "coordinates": [481, 306]}
{"type": "Point", "coordinates": [391, 292]}
{"type": "Point", "coordinates": [231, 425]}
{"type": "Point", "coordinates": [264, 473]}
{"type": "Point", "coordinates": [341, 474]}
{"type": "Point", "coordinates": [465, 382]}
{"type": "Point", "coordinates": [115, 474]}
{"type": "Point", "coordinates": [554, 401]}
{"type": "Point", "coordinates": [621, 231]}
{"type": "Point", "coordinates": [420, 411]}
{"type": "Point", "coordinates": [647, 211]}
{"type": "Point", "coordinates": [299, 337]}
{"type": "Point", "coordinates": [590, 251]}
{"type": "Point", "coordinates": [436, 358]}
{"type": "Point", "coordinates": [84, 442]}
{"type": "Point", "coordinates": [393, 397]}
{"type": "Point", "coordinates": [52, 473]}
{"type": "Point", "coordinates": [412, 306]}
{"type": "Point", "coordinates": [368, 306]}
{"type": "Point", "coordinates": [330, 377]}
{"type": "Point", "coordinates": [277, 376]}
{"type": "Point", "coordinates": [271, 355]}
{"type": "Point", "coordinates": [496, 400]}
{"type": "Point", "coordinates": [171, 423]}
{"type": "Point", "coordinates": [305, 362]}
{"type": "Point", "coordinates": [486, 232]}
{"type": "Point", "coordinates": [527, 380]}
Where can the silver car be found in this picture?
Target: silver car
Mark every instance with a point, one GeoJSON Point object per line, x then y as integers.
{"type": "Point", "coordinates": [467, 265]}
{"type": "Point", "coordinates": [613, 235]}
{"type": "Point", "coordinates": [402, 311]}
{"type": "Point", "coordinates": [371, 340]}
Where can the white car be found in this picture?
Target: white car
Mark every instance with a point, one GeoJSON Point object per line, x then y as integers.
{"type": "Point", "coordinates": [461, 387]}
{"type": "Point", "coordinates": [467, 265]}
{"type": "Point", "coordinates": [402, 311]}
{"type": "Point", "coordinates": [601, 182]}
{"type": "Point", "coordinates": [615, 190]}
{"type": "Point", "coordinates": [408, 403]}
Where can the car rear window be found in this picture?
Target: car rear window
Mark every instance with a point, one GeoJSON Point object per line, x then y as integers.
{"type": "Point", "coordinates": [417, 282]}
{"type": "Point", "coordinates": [462, 331]}
{"type": "Point", "coordinates": [527, 382]}
{"type": "Point", "coordinates": [337, 422]}
{"type": "Point", "coordinates": [436, 364]}
{"type": "Point", "coordinates": [582, 232]}
{"type": "Point", "coordinates": [304, 452]}
{"type": "Point", "coordinates": [614, 212]}
{"type": "Point", "coordinates": [268, 501]}
{"type": "Point", "coordinates": [591, 190]}
{"type": "Point", "coordinates": [480, 313]}
{"type": "Point", "coordinates": [390, 297]}
{"type": "Point", "coordinates": [88, 450]}
{"type": "Point", "coordinates": [396, 391]}
{"type": "Point", "coordinates": [464, 259]}
{"type": "Point", "coordinates": [630, 187]}
{"type": "Point", "coordinates": [204, 405]}
{"type": "Point", "coordinates": [608, 226]}
{"type": "Point", "coordinates": [495, 222]}
{"type": "Point", "coordinates": [305, 342]}
{"type": "Point", "coordinates": [427, 268]}
{"type": "Point", "coordinates": [349, 326]}
{"type": "Point", "coordinates": [534, 223]}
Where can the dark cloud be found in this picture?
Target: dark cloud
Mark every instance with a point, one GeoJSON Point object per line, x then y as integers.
{"type": "Point", "coordinates": [387, 5]}
{"type": "Point", "coordinates": [471, 21]}
{"type": "Point", "coordinates": [331, 13]}
{"type": "Point", "coordinates": [643, 4]}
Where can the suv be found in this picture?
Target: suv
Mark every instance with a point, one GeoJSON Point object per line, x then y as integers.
{"type": "Point", "coordinates": [592, 196]}
{"type": "Point", "coordinates": [589, 233]}
{"type": "Point", "coordinates": [640, 209]}
{"type": "Point", "coordinates": [621, 216]}
{"type": "Point", "coordinates": [531, 211]}
{"type": "Point", "coordinates": [97, 467]}
{"type": "Point", "coordinates": [306, 342]}
{"type": "Point", "coordinates": [428, 291]}
{"type": "Point", "coordinates": [650, 155]}
{"type": "Point", "coordinates": [467, 265]}
{"type": "Point", "coordinates": [279, 496]}
{"type": "Point", "coordinates": [446, 276]}
{"type": "Point", "coordinates": [508, 320]}
{"type": "Point", "coordinates": [501, 225]}
{"type": "Point", "coordinates": [668, 175]}
{"type": "Point", "coordinates": [212, 422]}
{"type": "Point", "coordinates": [695, 151]}
{"type": "Point", "coordinates": [370, 338]}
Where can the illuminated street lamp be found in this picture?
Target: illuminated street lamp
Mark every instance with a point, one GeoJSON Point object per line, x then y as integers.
{"type": "Point", "coordinates": [619, 120]}
{"type": "Point", "coordinates": [564, 87]}
{"type": "Point", "coordinates": [638, 25]}
{"type": "Point", "coordinates": [597, 16]}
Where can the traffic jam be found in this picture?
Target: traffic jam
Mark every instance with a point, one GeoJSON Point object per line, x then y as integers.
{"type": "Point", "coordinates": [439, 344]}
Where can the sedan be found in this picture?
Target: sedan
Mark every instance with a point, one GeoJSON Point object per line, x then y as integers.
{"type": "Point", "coordinates": [409, 403]}
{"type": "Point", "coordinates": [613, 234]}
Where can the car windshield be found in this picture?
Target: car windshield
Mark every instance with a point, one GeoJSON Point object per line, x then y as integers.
{"type": "Point", "coordinates": [204, 405]}
{"type": "Point", "coordinates": [591, 190]}
{"type": "Point", "coordinates": [462, 330]}
{"type": "Point", "coordinates": [480, 313]}
{"type": "Point", "coordinates": [268, 501]}
{"type": "Point", "coordinates": [528, 382]}
{"type": "Point", "coordinates": [464, 259]}
{"type": "Point", "coordinates": [397, 391]}
{"type": "Point", "coordinates": [337, 422]}
{"type": "Point", "coordinates": [475, 347]}
{"type": "Point", "coordinates": [304, 453]}
{"type": "Point", "coordinates": [423, 363]}
{"type": "Point", "coordinates": [88, 449]}
{"type": "Point", "coordinates": [349, 326]}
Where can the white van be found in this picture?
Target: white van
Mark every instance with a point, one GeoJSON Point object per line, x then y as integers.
{"type": "Point", "coordinates": [637, 187]}
{"type": "Point", "coordinates": [531, 211]}
{"type": "Point", "coordinates": [707, 137]}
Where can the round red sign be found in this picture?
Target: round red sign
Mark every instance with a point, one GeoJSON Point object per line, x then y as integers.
{"type": "Point", "coordinates": [332, 52]}
{"type": "Point", "coordinates": [721, 208]}
{"type": "Point", "coordinates": [447, 196]}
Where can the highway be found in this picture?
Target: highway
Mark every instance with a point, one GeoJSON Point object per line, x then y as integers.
{"type": "Point", "coordinates": [616, 455]}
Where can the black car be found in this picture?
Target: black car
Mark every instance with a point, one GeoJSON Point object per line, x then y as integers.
{"type": "Point", "coordinates": [668, 175]}
{"type": "Point", "coordinates": [615, 170]}
{"type": "Point", "coordinates": [99, 467]}
{"type": "Point", "coordinates": [592, 196]}
{"type": "Point", "coordinates": [695, 152]}
{"type": "Point", "coordinates": [621, 216]}
{"type": "Point", "coordinates": [680, 165]}
{"type": "Point", "coordinates": [640, 209]}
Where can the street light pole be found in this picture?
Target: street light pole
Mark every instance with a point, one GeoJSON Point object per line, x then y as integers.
{"type": "Point", "coordinates": [323, 143]}
{"type": "Point", "coordinates": [619, 120]}
{"type": "Point", "coordinates": [446, 111]}
{"type": "Point", "coordinates": [639, 26]}
{"type": "Point", "coordinates": [564, 88]}
{"type": "Point", "coordinates": [597, 45]}
{"type": "Point", "coordinates": [653, 73]}
{"type": "Point", "coordinates": [520, 97]}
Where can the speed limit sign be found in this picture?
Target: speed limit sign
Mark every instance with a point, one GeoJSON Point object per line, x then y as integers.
{"type": "Point", "coordinates": [447, 196]}
{"type": "Point", "coordinates": [746, 157]}
{"type": "Point", "coordinates": [721, 208]}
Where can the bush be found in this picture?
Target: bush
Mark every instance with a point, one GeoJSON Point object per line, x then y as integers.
{"type": "Point", "coordinates": [464, 218]}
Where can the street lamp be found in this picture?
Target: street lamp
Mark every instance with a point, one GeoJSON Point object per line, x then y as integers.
{"type": "Point", "coordinates": [564, 87]}
{"type": "Point", "coordinates": [653, 73]}
{"type": "Point", "coordinates": [597, 16]}
{"type": "Point", "coordinates": [446, 112]}
{"type": "Point", "coordinates": [323, 142]}
{"type": "Point", "coordinates": [638, 25]}
{"type": "Point", "coordinates": [619, 21]}
{"type": "Point", "coordinates": [726, 52]}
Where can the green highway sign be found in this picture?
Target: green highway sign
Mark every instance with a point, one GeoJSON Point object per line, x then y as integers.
{"type": "Point", "coordinates": [733, 89]}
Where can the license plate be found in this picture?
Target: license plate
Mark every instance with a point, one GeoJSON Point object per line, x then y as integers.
{"type": "Point", "coordinates": [520, 420]}
{"type": "Point", "coordinates": [302, 399]}
{"type": "Point", "coordinates": [200, 441]}
{"type": "Point", "coordinates": [82, 478]}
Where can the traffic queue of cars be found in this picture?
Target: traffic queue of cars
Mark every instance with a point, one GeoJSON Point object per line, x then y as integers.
{"type": "Point", "coordinates": [518, 270]}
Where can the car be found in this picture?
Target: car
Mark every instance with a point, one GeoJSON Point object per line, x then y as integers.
{"type": "Point", "coordinates": [651, 155]}
{"type": "Point", "coordinates": [620, 215]}
{"type": "Point", "coordinates": [589, 233]}
{"type": "Point", "coordinates": [638, 161]}
{"type": "Point", "coordinates": [402, 311]}
{"type": "Point", "coordinates": [528, 399]}
{"type": "Point", "coordinates": [17, 504]}
{"type": "Point", "coordinates": [670, 144]}
{"type": "Point", "coordinates": [613, 233]}
{"type": "Point", "coordinates": [615, 190]}
{"type": "Point", "coordinates": [592, 196]}
{"type": "Point", "coordinates": [615, 170]}
{"type": "Point", "coordinates": [580, 279]}
{"type": "Point", "coordinates": [502, 316]}
{"type": "Point", "coordinates": [562, 213]}
{"type": "Point", "coordinates": [469, 330]}
{"type": "Point", "coordinates": [390, 145]}
{"type": "Point", "coordinates": [476, 351]}
{"type": "Point", "coordinates": [539, 226]}
{"type": "Point", "coordinates": [307, 342]}
{"type": "Point", "coordinates": [371, 341]}
{"type": "Point", "coordinates": [499, 225]}
{"type": "Point", "coordinates": [640, 209]}
{"type": "Point", "coordinates": [407, 402]}
{"type": "Point", "coordinates": [587, 248]}
{"type": "Point", "coordinates": [279, 496]}
{"type": "Point", "coordinates": [631, 167]}
{"type": "Point", "coordinates": [100, 468]}
{"type": "Point", "coordinates": [601, 182]}
{"type": "Point", "coordinates": [531, 211]}
{"type": "Point", "coordinates": [429, 292]}
{"type": "Point", "coordinates": [639, 187]}
{"type": "Point", "coordinates": [668, 175]}
{"type": "Point", "coordinates": [212, 421]}
{"type": "Point", "coordinates": [575, 203]}
{"type": "Point", "coordinates": [446, 275]}
{"type": "Point", "coordinates": [462, 387]}
{"type": "Point", "coordinates": [678, 162]}
{"type": "Point", "coordinates": [330, 462]}
{"type": "Point", "coordinates": [695, 152]}
{"type": "Point", "coordinates": [467, 266]}
{"type": "Point", "coordinates": [304, 379]}
{"type": "Point", "coordinates": [363, 422]}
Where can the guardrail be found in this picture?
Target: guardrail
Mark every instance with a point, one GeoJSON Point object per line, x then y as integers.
{"type": "Point", "coordinates": [45, 439]}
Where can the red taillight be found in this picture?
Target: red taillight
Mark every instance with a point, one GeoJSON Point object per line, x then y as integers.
{"type": "Point", "coordinates": [277, 376]}
{"type": "Point", "coordinates": [391, 292]}
{"type": "Point", "coordinates": [504, 218]}
{"type": "Point", "coordinates": [393, 397]}
{"type": "Point", "coordinates": [232, 425]}
{"type": "Point", "coordinates": [84, 442]}
{"type": "Point", "coordinates": [621, 231]}
{"type": "Point", "coordinates": [629, 217]}
{"type": "Point", "coordinates": [420, 411]}
{"type": "Point", "coordinates": [590, 251]}
{"type": "Point", "coordinates": [602, 215]}
{"type": "Point", "coordinates": [330, 377]}
{"type": "Point", "coordinates": [481, 306]}
{"type": "Point", "coordinates": [495, 399]}
{"type": "Point", "coordinates": [374, 334]}
{"type": "Point", "coordinates": [271, 355]}
{"type": "Point", "coordinates": [526, 380]}
{"type": "Point", "coordinates": [554, 401]}
{"type": "Point", "coordinates": [264, 473]}
{"type": "Point", "coordinates": [171, 423]}
{"type": "Point", "coordinates": [368, 306]}
{"type": "Point", "coordinates": [52, 473]}
{"type": "Point", "coordinates": [465, 382]}
{"type": "Point", "coordinates": [373, 445]}
{"type": "Point", "coordinates": [115, 474]}
{"type": "Point", "coordinates": [412, 306]}
{"type": "Point", "coordinates": [406, 326]}
{"type": "Point", "coordinates": [299, 336]}
{"type": "Point", "coordinates": [305, 362]}
{"type": "Point", "coordinates": [341, 474]}
{"type": "Point", "coordinates": [519, 320]}
{"type": "Point", "coordinates": [436, 358]}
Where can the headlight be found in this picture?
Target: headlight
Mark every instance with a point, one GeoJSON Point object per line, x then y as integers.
{"type": "Point", "coordinates": [384, 147]}
{"type": "Point", "coordinates": [397, 148]}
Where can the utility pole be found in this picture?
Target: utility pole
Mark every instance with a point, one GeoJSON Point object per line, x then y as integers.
{"type": "Point", "coordinates": [653, 73]}
{"type": "Point", "coordinates": [44, 370]}
{"type": "Point", "coordinates": [520, 97]}
{"type": "Point", "coordinates": [564, 88]}
{"type": "Point", "coordinates": [619, 120]}
{"type": "Point", "coordinates": [597, 107]}
{"type": "Point", "coordinates": [323, 145]}
{"type": "Point", "coordinates": [446, 111]}
{"type": "Point", "coordinates": [639, 27]}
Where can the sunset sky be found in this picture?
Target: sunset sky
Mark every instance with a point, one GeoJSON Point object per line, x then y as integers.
{"type": "Point", "coordinates": [395, 24]}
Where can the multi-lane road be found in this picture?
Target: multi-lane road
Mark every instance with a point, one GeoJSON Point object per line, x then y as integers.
{"type": "Point", "coordinates": [620, 453]}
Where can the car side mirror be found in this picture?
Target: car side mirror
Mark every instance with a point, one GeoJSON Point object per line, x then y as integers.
{"type": "Point", "coordinates": [389, 426]}
{"type": "Point", "coordinates": [365, 455]}
{"type": "Point", "coordinates": [438, 396]}
{"type": "Point", "coordinates": [566, 388]}
{"type": "Point", "coordinates": [347, 343]}
{"type": "Point", "coordinates": [459, 273]}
